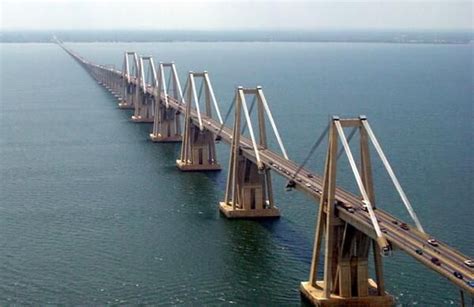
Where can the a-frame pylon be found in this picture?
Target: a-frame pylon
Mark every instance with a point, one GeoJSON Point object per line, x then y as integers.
{"type": "Point", "coordinates": [346, 279]}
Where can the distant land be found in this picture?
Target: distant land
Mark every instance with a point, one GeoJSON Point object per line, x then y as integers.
{"type": "Point", "coordinates": [386, 36]}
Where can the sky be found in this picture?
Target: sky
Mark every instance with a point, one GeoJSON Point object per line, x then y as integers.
{"type": "Point", "coordinates": [235, 14]}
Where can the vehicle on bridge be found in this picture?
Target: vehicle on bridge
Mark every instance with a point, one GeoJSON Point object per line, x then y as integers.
{"type": "Point", "coordinates": [433, 242]}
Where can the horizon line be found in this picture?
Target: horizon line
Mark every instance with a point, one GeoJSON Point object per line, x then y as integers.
{"type": "Point", "coordinates": [240, 29]}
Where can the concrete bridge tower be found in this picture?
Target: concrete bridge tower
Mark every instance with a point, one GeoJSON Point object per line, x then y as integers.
{"type": "Point", "coordinates": [145, 96]}
{"type": "Point", "coordinates": [249, 192]}
{"type": "Point", "coordinates": [198, 151]}
{"type": "Point", "coordinates": [166, 124]}
{"type": "Point", "coordinates": [346, 279]}
{"type": "Point", "coordinates": [129, 78]}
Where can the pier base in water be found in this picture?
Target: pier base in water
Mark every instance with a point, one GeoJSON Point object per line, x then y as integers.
{"type": "Point", "coordinates": [125, 106]}
{"type": "Point", "coordinates": [195, 167]}
{"type": "Point", "coordinates": [244, 213]}
{"type": "Point", "coordinates": [158, 138]}
{"type": "Point", "coordinates": [139, 119]}
{"type": "Point", "coordinates": [315, 295]}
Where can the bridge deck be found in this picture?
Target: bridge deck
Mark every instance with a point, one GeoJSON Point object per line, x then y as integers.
{"type": "Point", "coordinates": [407, 240]}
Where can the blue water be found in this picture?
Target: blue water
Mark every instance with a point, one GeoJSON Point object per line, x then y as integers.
{"type": "Point", "coordinates": [91, 212]}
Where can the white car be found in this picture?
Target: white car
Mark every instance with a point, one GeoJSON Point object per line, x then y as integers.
{"type": "Point", "coordinates": [469, 263]}
{"type": "Point", "coordinates": [433, 242]}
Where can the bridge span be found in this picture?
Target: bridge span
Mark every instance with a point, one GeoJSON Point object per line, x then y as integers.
{"type": "Point", "coordinates": [349, 226]}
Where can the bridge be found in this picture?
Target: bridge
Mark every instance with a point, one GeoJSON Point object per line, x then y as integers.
{"type": "Point", "coordinates": [350, 228]}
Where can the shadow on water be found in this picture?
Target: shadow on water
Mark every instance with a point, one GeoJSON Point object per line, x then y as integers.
{"type": "Point", "coordinates": [251, 249]}
{"type": "Point", "coordinates": [298, 245]}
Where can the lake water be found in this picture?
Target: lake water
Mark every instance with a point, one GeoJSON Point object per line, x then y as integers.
{"type": "Point", "coordinates": [91, 212]}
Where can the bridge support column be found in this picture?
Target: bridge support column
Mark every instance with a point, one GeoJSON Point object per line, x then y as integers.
{"type": "Point", "coordinates": [144, 103]}
{"type": "Point", "coordinates": [143, 109]}
{"type": "Point", "coordinates": [116, 87]}
{"type": "Point", "coordinates": [128, 96]}
{"type": "Point", "coordinates": [198, 151]}
{"type": "Point", "coordinates": [349, 272]}
{"type": "Point", "coordinates": [249, 191]}
{"type": "Point", "coordinates": [113, 82]}
{"type": "Point", "coordinates": [167, 124]}
{"type": "Point", "coordinates": [107, 78]}
{"type": "Point", "coordinates": [129, 79]}
{"type": "Point", "coordinates": [346, 279]}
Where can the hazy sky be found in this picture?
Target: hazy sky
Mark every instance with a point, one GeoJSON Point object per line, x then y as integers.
{"type": "Point", "coordinates": [235, 14]}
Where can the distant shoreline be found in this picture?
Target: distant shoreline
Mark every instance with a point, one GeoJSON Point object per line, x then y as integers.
{"type": "Point", "coordinates": [127, 36]}
{"type": "Point", "coordinates": [196, 41]}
